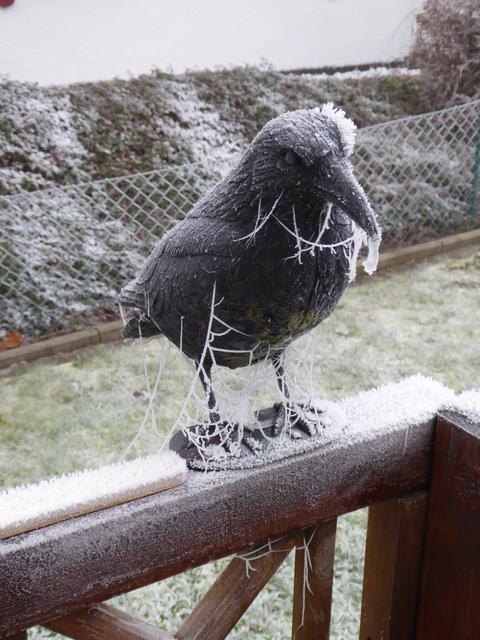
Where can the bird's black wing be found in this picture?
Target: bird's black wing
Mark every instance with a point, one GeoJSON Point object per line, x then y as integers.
{"type": "Point", "coordinates": [193, 249]}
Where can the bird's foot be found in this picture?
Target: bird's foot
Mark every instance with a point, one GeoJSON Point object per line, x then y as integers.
{"type": "Point", "coordinates": [218, 444]}
{"type": "Point", "coordinates": [298, 419]}
{"type": "Point", "coordinates": [217, 441]}
{"type": "Point", "coordinates": [209, 441]}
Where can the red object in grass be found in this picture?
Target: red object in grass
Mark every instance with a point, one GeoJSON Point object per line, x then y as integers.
{"type": "Point", "coordinates": [6, 3]}
{"type": "Point", "coordinates": [12, 339]}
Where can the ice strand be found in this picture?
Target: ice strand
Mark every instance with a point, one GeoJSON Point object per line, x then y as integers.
{"type": "Point", "coordinates": [371, 263]}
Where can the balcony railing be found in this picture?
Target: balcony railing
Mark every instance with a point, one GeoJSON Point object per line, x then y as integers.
{"type": "Point", "coordinates": [420, 481]}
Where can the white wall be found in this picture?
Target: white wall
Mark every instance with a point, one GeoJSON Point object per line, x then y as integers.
{"type": "Point", "coordinates": [61, 41]}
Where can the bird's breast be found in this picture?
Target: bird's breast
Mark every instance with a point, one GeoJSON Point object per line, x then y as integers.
{"type": "Point", "coordinates": [277, 290]}
{"type": "Point", "coordinates": [270, 288]}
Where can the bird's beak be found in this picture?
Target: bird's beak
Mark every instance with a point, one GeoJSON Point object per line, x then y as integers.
{"type": "Point", "coordinates": [340, 187]}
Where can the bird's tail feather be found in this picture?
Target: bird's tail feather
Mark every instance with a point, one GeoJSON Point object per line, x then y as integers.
{"type": "Point", "coordinates": [140, 326]}
{"type": "Point", "coordinates": [131, 297]}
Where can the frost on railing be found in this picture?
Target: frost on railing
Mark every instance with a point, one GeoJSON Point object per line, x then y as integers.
{"type": "Point", "coordinates": [65, 252]}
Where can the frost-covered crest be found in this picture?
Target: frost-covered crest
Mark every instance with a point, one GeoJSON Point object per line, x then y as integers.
{"type": "Point", "coordinates": [345, 126]}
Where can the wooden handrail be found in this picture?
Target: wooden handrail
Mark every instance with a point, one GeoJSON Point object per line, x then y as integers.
{"type": "Point", "coordinates": [65, 567]}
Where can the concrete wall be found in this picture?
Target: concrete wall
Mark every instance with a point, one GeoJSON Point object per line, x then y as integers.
{"type": "Point", "coordinates": [62, 41]}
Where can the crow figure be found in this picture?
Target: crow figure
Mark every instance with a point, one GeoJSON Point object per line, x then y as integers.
{"type": "Point", "coordinates": [264, 257]}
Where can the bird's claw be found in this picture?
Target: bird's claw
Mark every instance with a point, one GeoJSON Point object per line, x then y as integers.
{"type": "Point", "coordinates": [297, 419]}
{"type": "Point", "coordinates": [189, 442]}
{"type": "Point", "coordinates": [222, 440]}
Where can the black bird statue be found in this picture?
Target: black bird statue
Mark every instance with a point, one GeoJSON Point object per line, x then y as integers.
{"type": "Point", "coordinates": [261, 259]}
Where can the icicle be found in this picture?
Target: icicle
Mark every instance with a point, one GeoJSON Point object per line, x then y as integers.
{"type": "Point", "coordinates": [357, 242]}
{"type": "Point", "coordinates": [359, 239]}
{"type": "Point", "coordinates": [371, 263]}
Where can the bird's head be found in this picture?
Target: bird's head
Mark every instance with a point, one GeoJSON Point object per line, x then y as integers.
{"type": "Point", "coordinates": [306, 151]}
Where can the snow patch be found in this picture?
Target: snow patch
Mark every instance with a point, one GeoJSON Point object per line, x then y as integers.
{"type": "Point", "coordinates": [360, 74]}
{"type": "Point", "coordinates": [208, 138]}
{"type": "Point", "coordinates": [30, 507]}
{"type": "Point", "coordinates": [394, 405]}
{"type": "Point", "coordinates": [467, 404]}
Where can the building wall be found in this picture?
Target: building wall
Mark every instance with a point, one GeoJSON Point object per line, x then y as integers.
{"type": "Point", "coordinates": [62, 41]}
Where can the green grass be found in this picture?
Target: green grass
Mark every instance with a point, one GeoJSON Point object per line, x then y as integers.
{"type": "Point", "coordinates": [59, 416]}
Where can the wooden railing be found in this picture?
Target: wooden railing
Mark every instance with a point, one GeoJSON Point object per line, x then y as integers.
{"type": "Point", "coordinates": [422, 561]}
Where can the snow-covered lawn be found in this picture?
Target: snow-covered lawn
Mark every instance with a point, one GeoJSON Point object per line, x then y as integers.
{"type": "Point", "coordinates": [59, 416]}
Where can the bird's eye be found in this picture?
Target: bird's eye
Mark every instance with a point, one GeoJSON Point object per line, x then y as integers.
{"type": "Point", "coordinates": [292, 159]}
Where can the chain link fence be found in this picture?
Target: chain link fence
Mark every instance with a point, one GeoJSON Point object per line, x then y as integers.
{"type": "Point", "coordinates": [65, 252]}
{"type": "Point", "coordinates": [422, 173]}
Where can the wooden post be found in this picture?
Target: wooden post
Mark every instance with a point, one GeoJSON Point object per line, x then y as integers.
{"type": "Point", "coordinates": [312, 606]}
{"type": "Point", "coordinates": [393, 558]}
{"type": "Point", "coordinates": [234, 591]}
{"type": "Point", "coordinates": [103, 622]}
{"type": "Point", "coordinates": [450, 593]}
